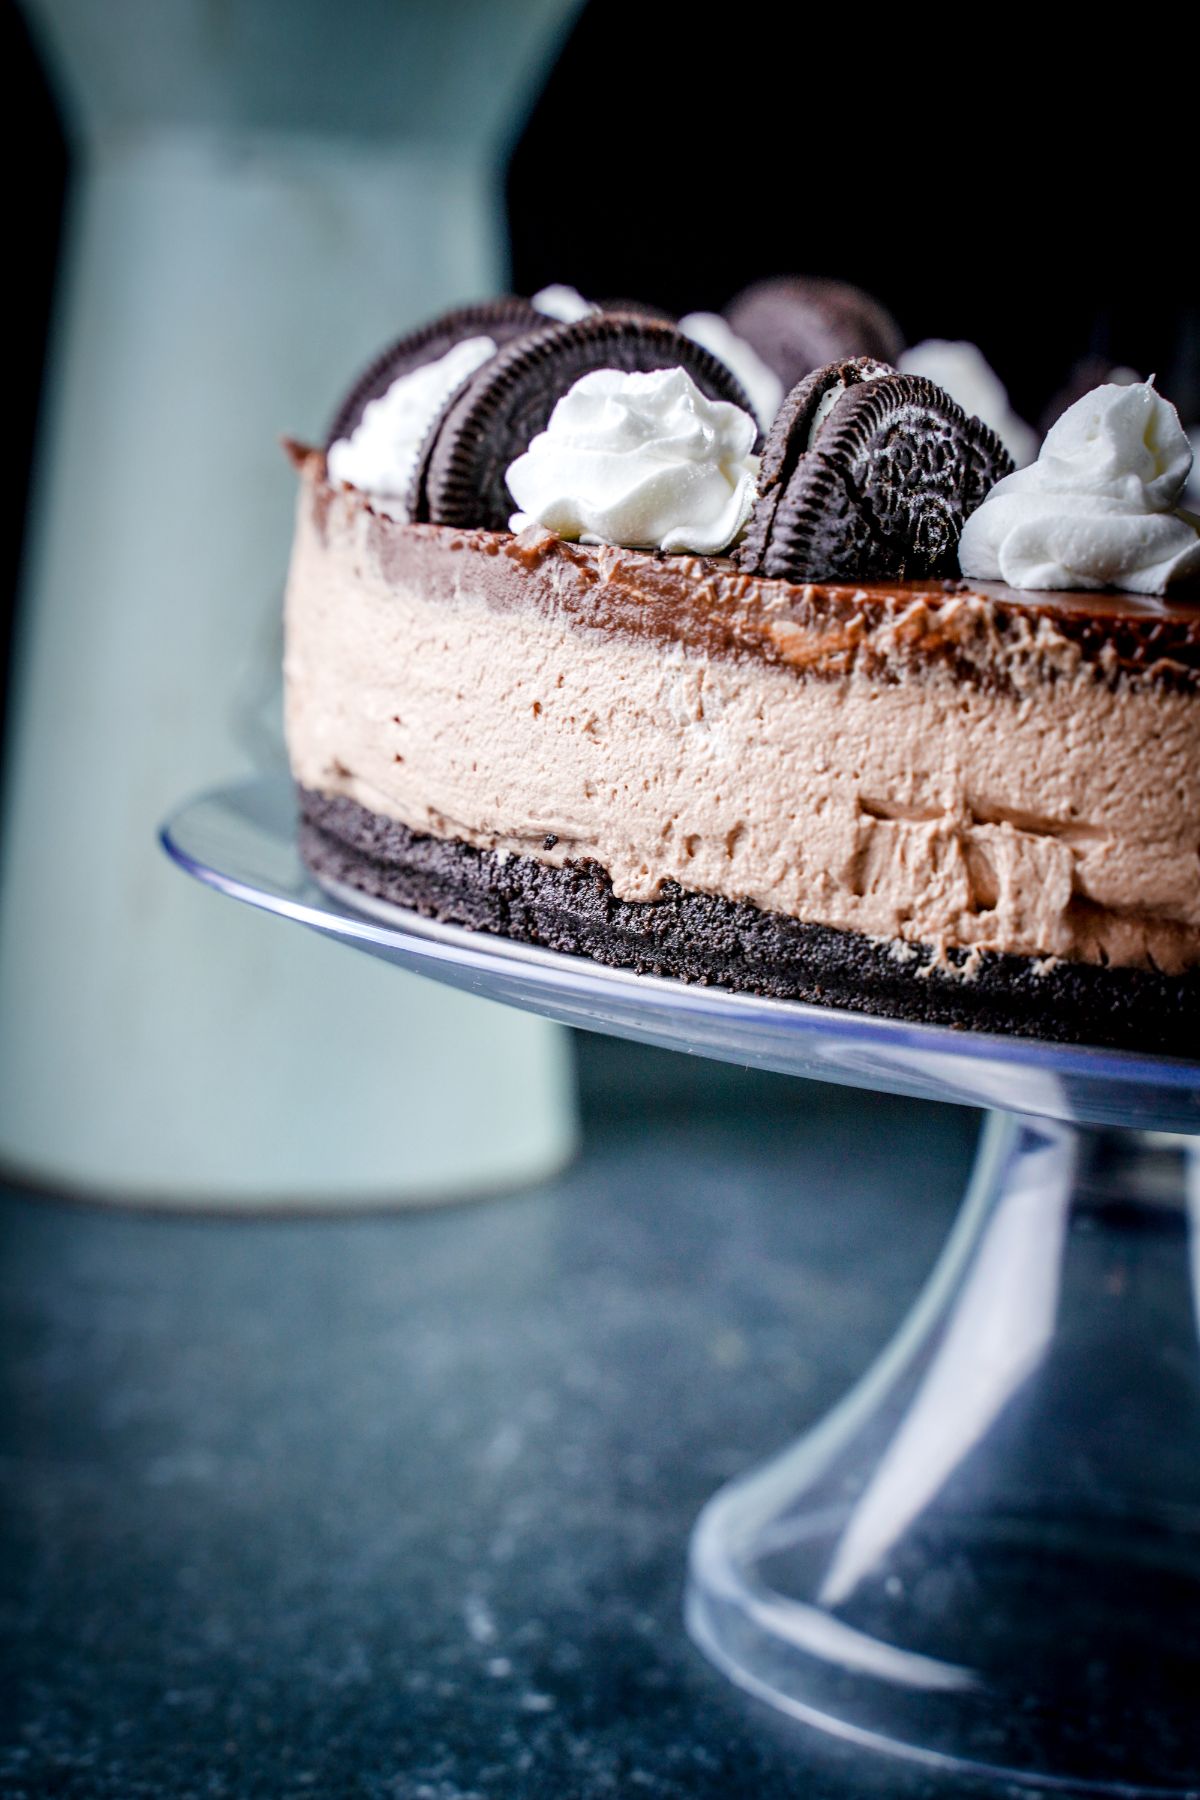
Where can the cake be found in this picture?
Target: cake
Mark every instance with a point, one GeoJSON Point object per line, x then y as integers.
{"type": "Point", "coordinates": [797, 752]}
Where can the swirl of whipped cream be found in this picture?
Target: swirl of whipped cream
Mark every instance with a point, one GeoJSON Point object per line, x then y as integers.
{"type": "Point", "coordinates": [380, 455]}
{"type": "Point", "coordinates": [642, 460]}
{"type": "Point", "coordinates": [763, 386]}
{"type": "Point", "coordinates": [560, 301]}
{"type": "Point", "coordinates": [1097, 508]}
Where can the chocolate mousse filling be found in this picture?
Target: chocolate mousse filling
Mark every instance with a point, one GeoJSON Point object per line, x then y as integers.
{"type": "Point", "coordinates": [941, 801]}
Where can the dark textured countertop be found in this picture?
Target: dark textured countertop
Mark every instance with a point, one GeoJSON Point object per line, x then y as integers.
{"type": "Point", "coordinates": [396, 1507]}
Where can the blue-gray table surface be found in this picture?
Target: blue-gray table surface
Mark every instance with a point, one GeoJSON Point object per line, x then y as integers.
{"type": "Point", "coordinates": [396, 1506]}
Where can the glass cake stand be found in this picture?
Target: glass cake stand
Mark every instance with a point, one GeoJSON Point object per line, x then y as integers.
{"type": "Point", "coordinates": [987, 1557]}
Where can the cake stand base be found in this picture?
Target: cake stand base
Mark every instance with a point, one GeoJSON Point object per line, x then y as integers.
{"type": "Point", "coordinates": [988, 1556]}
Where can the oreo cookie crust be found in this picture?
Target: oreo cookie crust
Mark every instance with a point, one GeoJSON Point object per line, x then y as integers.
{"type": "Point", "coordinates": [704, 939]}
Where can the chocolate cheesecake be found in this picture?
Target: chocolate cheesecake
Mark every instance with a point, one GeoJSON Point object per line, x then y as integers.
{"type": "Point", "coordinates": [942, 800]}
{"type": "Point", "coordinates": [573, 657]}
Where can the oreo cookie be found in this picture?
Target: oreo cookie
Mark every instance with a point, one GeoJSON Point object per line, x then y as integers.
{"type": "Point", "coordinates": [502, 320]}
{"type": "Point", "coordinates": [798, 324]}
{"type": "Point", "coordinates": [789, 438]}
{"type": "Point", "coordinates": [637, 309]}
{"type": "Point", "coordinates": [878, 486]}
{"type": "Point", "coordinates": [493, 418]}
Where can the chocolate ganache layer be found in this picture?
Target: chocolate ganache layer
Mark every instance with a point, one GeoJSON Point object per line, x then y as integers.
{"type": "Point", "coordinates": [962, 774]}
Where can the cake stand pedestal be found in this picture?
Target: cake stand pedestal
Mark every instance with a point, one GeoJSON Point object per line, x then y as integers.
{"type": "Point", "coordinates": [989, 1554]}
{"type": "Point", "coordinates": [987, 1557]}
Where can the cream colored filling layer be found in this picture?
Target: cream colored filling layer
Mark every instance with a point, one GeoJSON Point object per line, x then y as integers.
{"type": "Point", "coordinates": [1058, 822]}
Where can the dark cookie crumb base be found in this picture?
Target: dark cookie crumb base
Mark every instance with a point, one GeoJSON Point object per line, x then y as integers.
{"type": "Point", "coordinates": [732, 944]}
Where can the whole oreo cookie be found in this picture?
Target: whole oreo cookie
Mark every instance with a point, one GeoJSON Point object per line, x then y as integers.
{"type": "Point", "coordinates": [502, 320]}
{"type": "Point", "coordinates": [497, 413]}
{"type": "Point", "coordinates": [801, 323]}
{"type": "Point", "coordinates": [880, 488]}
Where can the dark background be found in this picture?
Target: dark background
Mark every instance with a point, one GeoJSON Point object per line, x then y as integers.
{"type": "Point", "coordinates": [37, 191]}
{"type": "Point", "coordinates": [982, 181]}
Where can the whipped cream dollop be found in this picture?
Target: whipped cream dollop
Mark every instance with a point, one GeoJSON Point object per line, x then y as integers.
{"type": "Point", "coordinates": [1098, 507]}
{"type": "Point", "coordinates": [644, 460]}
{"type": "Point", "coordinates": [764, 390]}
{"type": "Point", "coordinates": [566, 304]}
{"type": "Point", "coordinates": [380, 455]}
{"type": "Point", "coordinates": [968, 377]}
